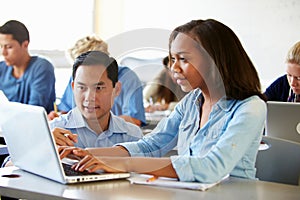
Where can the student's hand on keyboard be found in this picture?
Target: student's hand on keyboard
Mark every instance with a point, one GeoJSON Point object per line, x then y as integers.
{"type": "Point", "coordinates": [64, 137]}
{"type": "Point", "coordinates": [72, 152]}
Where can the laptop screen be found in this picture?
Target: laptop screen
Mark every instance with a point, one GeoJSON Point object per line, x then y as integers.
{"type": "Point", "coordinates": [29, 140]}
{"type": "Point", "coordinates": [283, 120]}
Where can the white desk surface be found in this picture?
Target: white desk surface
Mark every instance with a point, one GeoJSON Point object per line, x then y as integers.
{"type": "Point", "coordinates": [30, 186]}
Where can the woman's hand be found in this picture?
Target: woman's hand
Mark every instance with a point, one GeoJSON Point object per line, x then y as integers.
{"type": "Point", "coordinates": [72, 152]}
{"type": "Point", "coordinates": [89, 162]}
{"type": "Point", "coordinates": [64, 137]}
{"type": "Point", "coordinates": [92, 164]}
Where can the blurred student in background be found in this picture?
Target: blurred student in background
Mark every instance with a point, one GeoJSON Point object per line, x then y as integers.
{"type": "Point", "coordinates": [286, 88]}
{"type": "Point", "coordinates": [163, 93]}
{"type": "Point", "coordinates": [24, 78]}
{"type": "Point", "coordinates": [128, 105]}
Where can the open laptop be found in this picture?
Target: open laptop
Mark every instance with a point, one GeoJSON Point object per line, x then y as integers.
{"type": "Point", "coordinates": [283, 120]}
{"type": "Point", "coordinates": [32, 147]}
{"type": "Point", "coordinates": [3, 97]}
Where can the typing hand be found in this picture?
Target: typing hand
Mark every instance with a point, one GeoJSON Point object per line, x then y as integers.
{"type": "Point", "coordinates": [64, 137]}
{"type": "Point", "coordinates": [72, 152]}
{"type": "Point", "coordinates": [89, 162]}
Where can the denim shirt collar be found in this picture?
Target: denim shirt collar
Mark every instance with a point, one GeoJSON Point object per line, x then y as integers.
{"type": "Point", "coordinates": [223, 103]}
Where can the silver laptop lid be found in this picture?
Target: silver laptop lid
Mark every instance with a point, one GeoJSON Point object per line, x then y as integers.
{"type": "Point", "coordinates": [32, 147]}
{"type": "Point", "coordinates": [283, 120]}
{"type": "Point", "coordinates": [29, 140]}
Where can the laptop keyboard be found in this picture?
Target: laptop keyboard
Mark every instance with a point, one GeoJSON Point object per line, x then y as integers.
{"type": "Point", "coordinates": [71, 172]}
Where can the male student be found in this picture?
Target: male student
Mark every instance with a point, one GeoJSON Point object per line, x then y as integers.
{"type": "Point", "coordinates": [128, 105]}
{"type": "Point", "coordinates": [91, 123]}
{"type": "Point", "coordinates": [24, 78]}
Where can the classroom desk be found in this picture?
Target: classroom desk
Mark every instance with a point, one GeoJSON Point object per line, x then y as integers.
{"type": "Point", "coordinates": [30, 186]}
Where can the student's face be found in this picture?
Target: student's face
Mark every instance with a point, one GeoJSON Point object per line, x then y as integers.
{"type": "Point", "coordinates": [293, 76]}
{"type": "Point", "coordinates": [93, 92]}
{"type": "Point", "coordinates": [189, 64]}
{"type": "Point", "coordinates": [11, 50]}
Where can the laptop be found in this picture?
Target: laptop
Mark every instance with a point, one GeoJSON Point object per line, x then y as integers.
{"type": "Point", "coordinates": [32, 148]}
{"type": "Point", "coordinates": [3, 97]}
{"type": "Point", "coordinates": [283, 120]}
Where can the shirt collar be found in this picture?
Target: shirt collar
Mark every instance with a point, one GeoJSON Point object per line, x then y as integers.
{"type": "Point", "coordinates": [76, 120]}
{"type": "Point", "coordinates": [223, 103]}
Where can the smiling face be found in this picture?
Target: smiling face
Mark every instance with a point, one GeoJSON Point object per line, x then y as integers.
{"type": "Point", "coordinates": [94, 93]}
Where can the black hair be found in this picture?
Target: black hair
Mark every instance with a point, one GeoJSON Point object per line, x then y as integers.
{"type": "Point", "coordinates": [239, 75]}
{"type": "Point", "coordinates": [95, 58]}
{"type": "Point", "coordinates": [165, 61]}
{"type": "Point", "coordinates": [17, 29]}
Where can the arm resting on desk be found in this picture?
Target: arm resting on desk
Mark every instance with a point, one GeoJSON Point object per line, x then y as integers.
{"type": "Point", "coordinates": [116, 159]}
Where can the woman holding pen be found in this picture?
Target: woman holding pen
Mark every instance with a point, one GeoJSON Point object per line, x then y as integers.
{"type": "Point", "coordinates": [216, 128]}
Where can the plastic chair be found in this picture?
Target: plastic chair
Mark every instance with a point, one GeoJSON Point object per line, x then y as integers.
{"type": "Point", "coordinates": [279, 161]}
{"type": "Point", "coordinates": [146, 69]}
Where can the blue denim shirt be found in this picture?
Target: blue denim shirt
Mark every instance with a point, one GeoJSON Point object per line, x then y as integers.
{"type": "Point", "coordinates": [118, 130]}
{"type": "Point", "coordinates": [226, 144]}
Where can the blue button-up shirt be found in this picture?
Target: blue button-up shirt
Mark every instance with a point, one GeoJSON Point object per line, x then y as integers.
{"type": "Point", "coordinates": [35, 87]}
{"type": "Point", "coordinates": [118, 130]}
{"type": "Point", "coordinates": [226, 144]}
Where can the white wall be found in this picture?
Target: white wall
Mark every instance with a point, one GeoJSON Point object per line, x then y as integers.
{"type": "Point", "coordinates": [52, 24]}
{"type": "Point", "coordinates": [266, 28]}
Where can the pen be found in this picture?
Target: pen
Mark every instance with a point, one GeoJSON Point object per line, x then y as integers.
{"type": "Point", "coordinates": [55, 107]}
{"type": "Point", "coordinates": [153, 178]}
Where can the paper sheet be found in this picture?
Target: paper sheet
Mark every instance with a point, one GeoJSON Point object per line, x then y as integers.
{"type": "Point", "coordinates": [171, 182]}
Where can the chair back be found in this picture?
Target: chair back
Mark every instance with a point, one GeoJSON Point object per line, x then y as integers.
{"type": "Point", "coordinates": [146, 69]}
